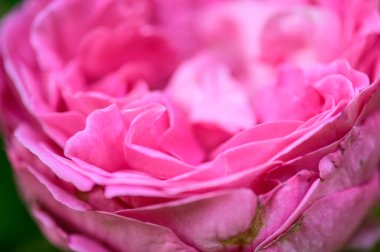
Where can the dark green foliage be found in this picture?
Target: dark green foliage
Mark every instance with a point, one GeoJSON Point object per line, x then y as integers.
{"type": "Point", "coordinates": [5, 5]}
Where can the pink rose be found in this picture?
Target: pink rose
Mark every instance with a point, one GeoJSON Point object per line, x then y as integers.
{"type": "Point", "coordinates": [181, 125]}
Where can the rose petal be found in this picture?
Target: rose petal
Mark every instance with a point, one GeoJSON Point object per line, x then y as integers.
{"type": "Point", "coordinates": [82, 243]}
{"type": "Point", "coordinates": [104, 128]}
{"type": "Point", "coordinates": [32, 142]}
{"type": "Point", "coordinates": [107, 228]}
{"type": "Point", "coordinates": [202, 79]}
{"type": "Point", "coordinates": [154, 162]}
{"type": "Point", "coordinates": [210, 215]}
{"type": "Point", "coordinates": [328, 223]}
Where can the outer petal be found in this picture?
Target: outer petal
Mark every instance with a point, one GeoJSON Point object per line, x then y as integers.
{"type": "Point", "coordinates": [204, 221]}
{"type": "Point", "coordinates": [19, 59]}
{"type": "Point", "coordinates": [34, 143]}
{"type": "Point", "coordinates": [112, 231]}
{"type": "Point", "coordinates": [347, 169]}
{"type": "Point", "coordinates": [367, 236]}
{"type": "Point", "coordinates": [82, 243]}
{"type": "Point", "coordinates": [328, 223]}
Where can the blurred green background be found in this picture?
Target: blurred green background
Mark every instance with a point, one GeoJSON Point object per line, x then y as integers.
{"type": "Point", "coordinates": [18, 232]}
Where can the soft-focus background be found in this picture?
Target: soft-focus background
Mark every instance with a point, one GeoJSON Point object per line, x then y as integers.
{"type": "Point", "coordinates": [18, 232]}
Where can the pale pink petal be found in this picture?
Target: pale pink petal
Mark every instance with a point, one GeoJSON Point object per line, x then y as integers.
{"type": "Point", "coordinates": [209, 95]}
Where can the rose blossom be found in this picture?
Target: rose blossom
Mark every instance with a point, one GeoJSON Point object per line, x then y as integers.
{"type": "Point", "coordinates": [178, 125]}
